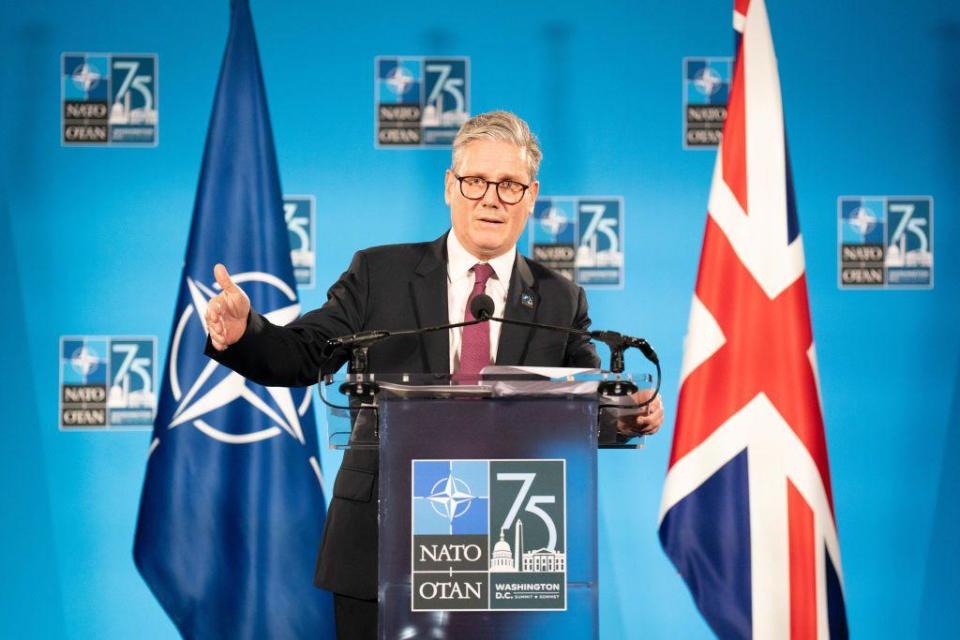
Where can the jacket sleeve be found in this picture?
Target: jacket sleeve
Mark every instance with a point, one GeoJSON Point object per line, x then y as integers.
{"type": "Point", "coordinates": [292, 355]}
{"type": "Point", "coordinates": [580, 350]}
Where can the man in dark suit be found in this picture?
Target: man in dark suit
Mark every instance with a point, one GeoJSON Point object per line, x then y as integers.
{"type": "Point", "coordinates": [491, 189]}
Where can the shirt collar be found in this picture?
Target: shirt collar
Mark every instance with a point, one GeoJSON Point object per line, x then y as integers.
{"type": "Point", "coordinates": [460, 261]}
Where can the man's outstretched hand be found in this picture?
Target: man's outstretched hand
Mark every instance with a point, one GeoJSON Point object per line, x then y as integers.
{"type": "Point", "coordinates": [227, 312]}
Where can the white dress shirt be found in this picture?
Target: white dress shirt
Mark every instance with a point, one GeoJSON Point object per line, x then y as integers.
{"type": "Point", "coordinates": [460, 281]}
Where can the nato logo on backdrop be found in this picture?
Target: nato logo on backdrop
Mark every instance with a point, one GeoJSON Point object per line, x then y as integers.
{"type": "Point", "coordinates": [885, 242]}
{"type": "Point", "coordinates": [420, 101]}
{"type": "Point", "coordinates": [108, 99]}
{"type": "Point", "coordinates": [107, 382]}
{"type": "Point", "coordinates": [706, 90]}
{"type": "Point", "coordinates": [488, 535]}
{"type": "Point", "coordinates": [300, 214]}
{"type": "Point", "coordinates": [581, 237]}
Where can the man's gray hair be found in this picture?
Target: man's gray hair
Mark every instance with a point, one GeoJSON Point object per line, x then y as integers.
{"type": "Point", "coordinates": [503, 126]}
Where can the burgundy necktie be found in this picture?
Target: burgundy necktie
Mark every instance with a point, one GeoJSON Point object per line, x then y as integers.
{"type": "Point", "coordinates": [475, 350]}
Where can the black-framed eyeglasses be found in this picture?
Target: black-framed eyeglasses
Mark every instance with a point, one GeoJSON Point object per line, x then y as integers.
{"type": "Point", "coordinates": [475, 187]}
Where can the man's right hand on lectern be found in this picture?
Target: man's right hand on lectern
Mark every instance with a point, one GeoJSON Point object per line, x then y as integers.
{"type": "Point", "coordinates": [227, 312]}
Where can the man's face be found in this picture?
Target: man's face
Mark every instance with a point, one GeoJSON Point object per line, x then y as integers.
{"type": "Point", "coordinates": [487, 227]}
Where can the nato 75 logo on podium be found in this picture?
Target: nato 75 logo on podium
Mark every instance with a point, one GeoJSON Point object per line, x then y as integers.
{"type": "Point", "coordinates": [489, 535]}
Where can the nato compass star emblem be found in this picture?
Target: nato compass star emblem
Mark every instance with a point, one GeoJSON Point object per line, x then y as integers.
{"type": "Point", "coordinates": [86, 76]}
{"type": "Point", "coordinates": [863, 220]}
{"type": "Point", "coordinates": [399, 80]}
{"type": "Point", "coordinates": [707, 81]}
{"type": "Point", "coordinates": [216, 386]}
{"type": "Point", "coordinates": [554, 221]}
{"type": "Point", "coordinates": [84, 361]}
{"type": "Point", "coordinates": [450, 497]}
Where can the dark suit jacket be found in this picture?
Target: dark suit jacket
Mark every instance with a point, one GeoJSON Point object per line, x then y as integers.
{"type": "Point", "coordinates": [398, 287]}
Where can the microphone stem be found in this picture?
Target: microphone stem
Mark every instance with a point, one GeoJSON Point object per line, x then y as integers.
{"type": "Point", "coordinates": [439, 327]}
{"type": "Point", "coordinates": [551, 327]}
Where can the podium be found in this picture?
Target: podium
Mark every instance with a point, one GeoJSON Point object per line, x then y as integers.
{"type": "Point", "coordinates": [488, 499]}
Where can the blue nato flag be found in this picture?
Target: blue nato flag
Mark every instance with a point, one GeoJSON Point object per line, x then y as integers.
{"type": "Point", "coordinates": [232, 506]}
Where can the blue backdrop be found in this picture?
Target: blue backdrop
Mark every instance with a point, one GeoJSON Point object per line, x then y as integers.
{"type": "Point", "coordinates": [92, 243]}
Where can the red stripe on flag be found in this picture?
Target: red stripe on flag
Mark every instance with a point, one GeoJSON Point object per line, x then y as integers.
{"type": "Point", "coordinates": [803, 571]}
{"type": "Point", "coordinates": [734, 142]}
{"type": "Point", "coordinates": [765, 351]}
{"type": "Point", "coordinates": [741, 6]}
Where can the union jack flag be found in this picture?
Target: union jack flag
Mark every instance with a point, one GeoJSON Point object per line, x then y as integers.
{"type": "Point", "coordinates": [747, 514]}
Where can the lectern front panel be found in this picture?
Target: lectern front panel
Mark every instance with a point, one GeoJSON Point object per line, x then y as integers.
{"type": "Point", "coordinates": [488, 517]}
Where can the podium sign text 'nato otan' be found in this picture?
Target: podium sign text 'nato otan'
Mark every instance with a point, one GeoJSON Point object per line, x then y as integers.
{"type": "Point", "coordinates": [489, 535]}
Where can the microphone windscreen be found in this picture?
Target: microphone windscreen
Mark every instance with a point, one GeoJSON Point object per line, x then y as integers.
{"type": "Point", "coordinates": [482, 307]}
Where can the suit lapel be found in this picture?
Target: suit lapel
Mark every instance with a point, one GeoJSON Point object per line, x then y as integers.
{"type": "Point", "coordinates": [522, 303]}
{"type": "Point", "coordinates": [428, 289]}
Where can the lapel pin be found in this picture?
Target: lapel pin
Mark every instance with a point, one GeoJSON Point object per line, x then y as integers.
{"type": "Point", "coordinates": [526, 300]}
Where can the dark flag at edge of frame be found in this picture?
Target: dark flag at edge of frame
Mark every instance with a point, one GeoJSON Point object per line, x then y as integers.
{"type": "Point", "coordinates": [232, 506]}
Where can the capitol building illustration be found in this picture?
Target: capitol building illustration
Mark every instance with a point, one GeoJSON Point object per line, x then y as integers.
{"type": "Point", "coordinates": [505, 559]}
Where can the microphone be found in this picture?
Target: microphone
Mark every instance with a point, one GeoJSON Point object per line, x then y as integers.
{"type": "Point", "coordinates": [482, 307]}
{"type": "Point", "coordinates": [360, 343]}
{"type": "Point", "coordinates": [350, 341]}
{"type": "Point", "coordinates": [616, 340]}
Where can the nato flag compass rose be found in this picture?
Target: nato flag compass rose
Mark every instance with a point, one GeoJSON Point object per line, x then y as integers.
{"type": "Point", "coordinates": [450, 497]}
{"type": "Point", "coordinates": [216, 387]}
